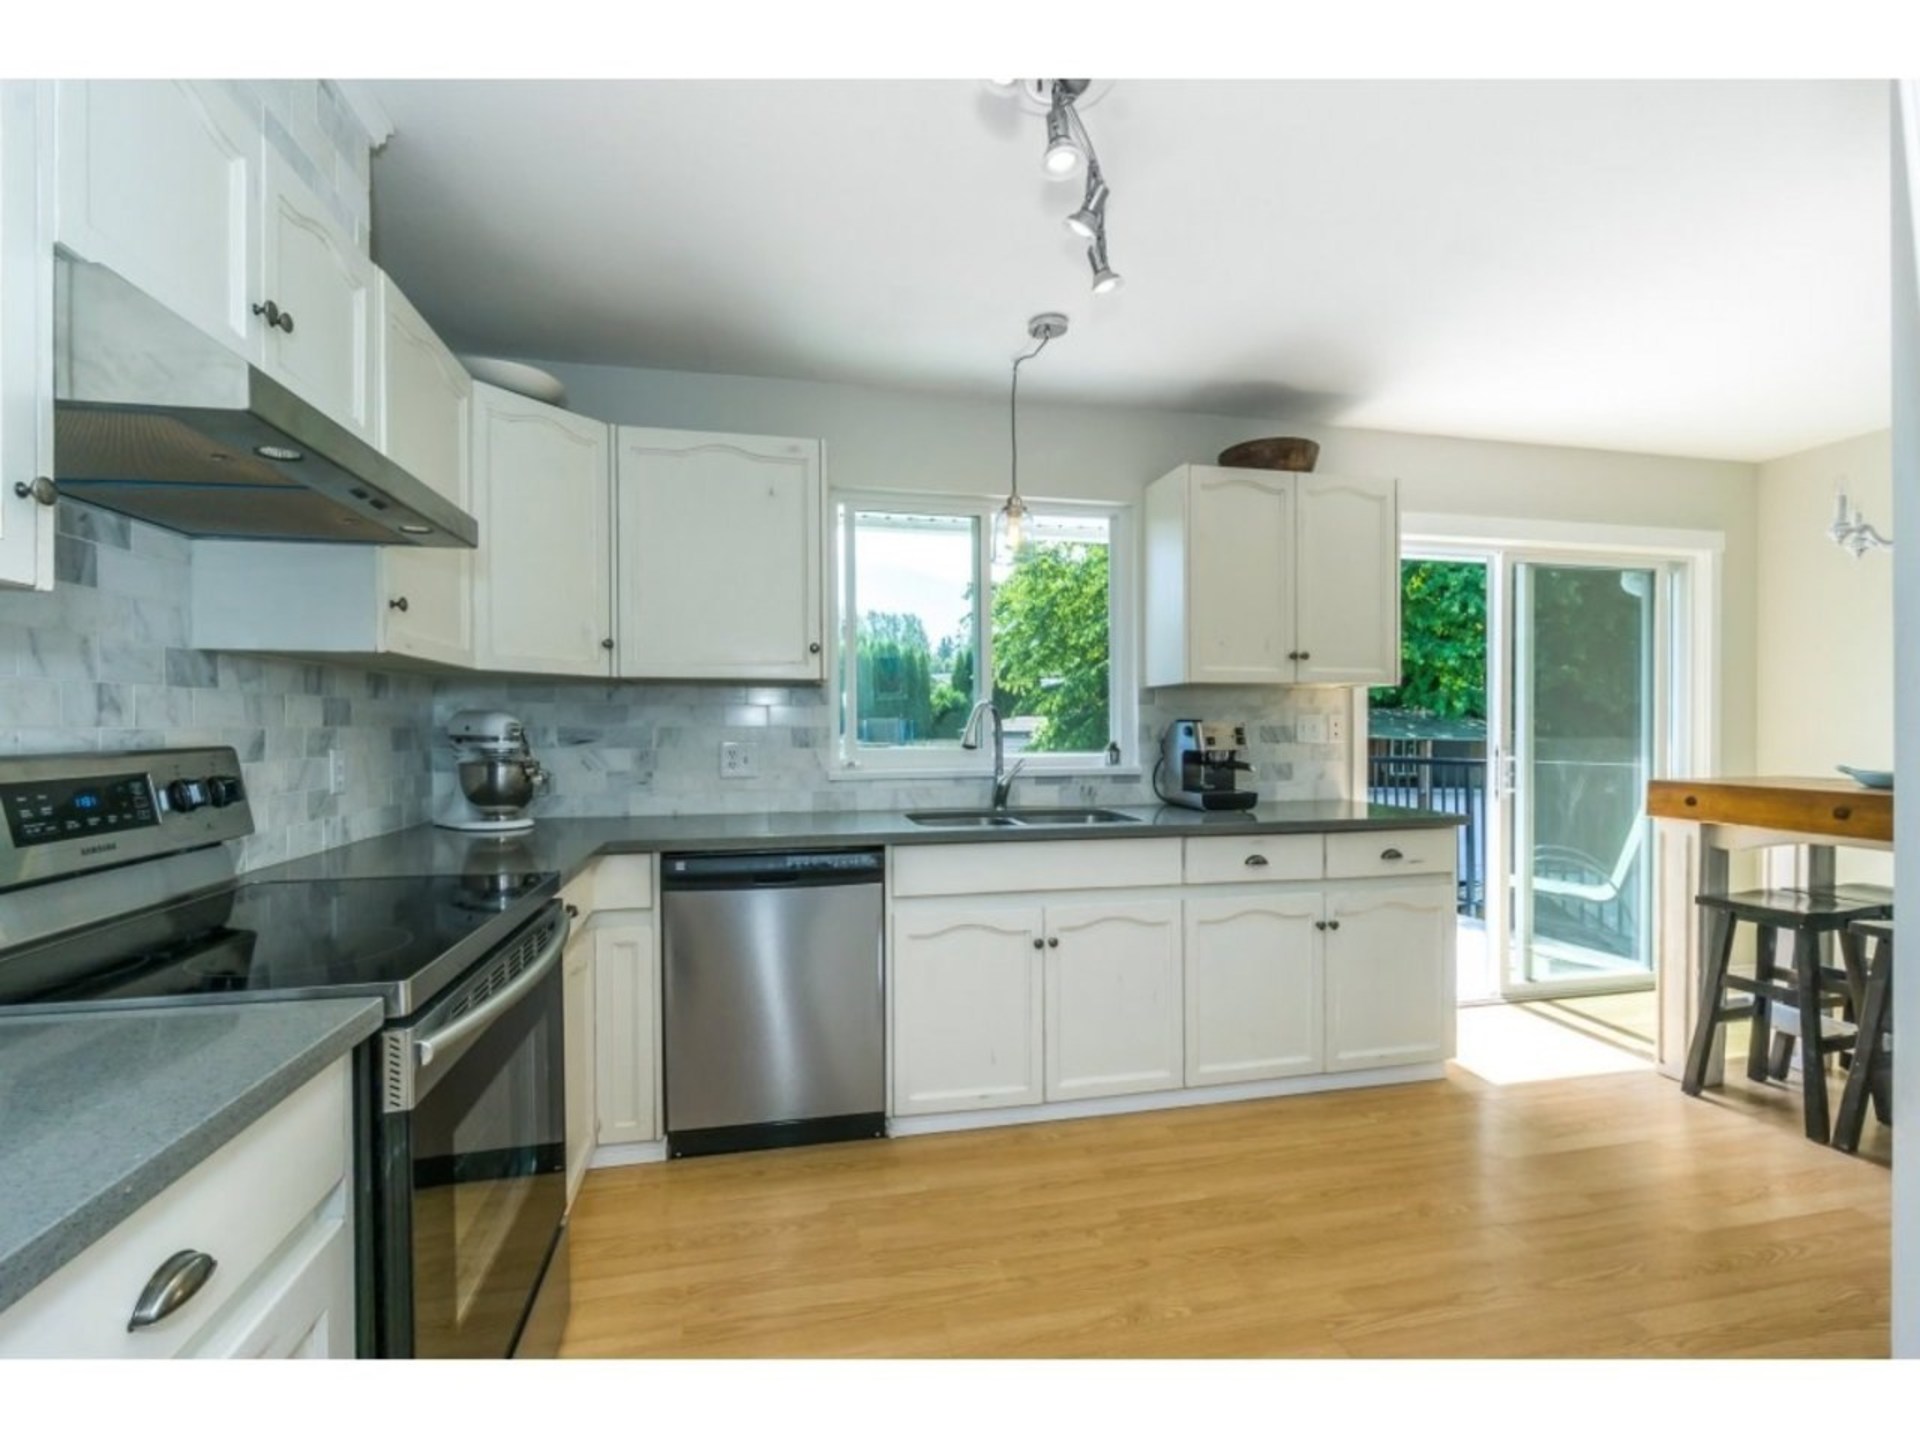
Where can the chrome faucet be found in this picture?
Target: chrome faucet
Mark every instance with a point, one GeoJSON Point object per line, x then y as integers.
{"type": "Point", "coordinates": [970, 740]}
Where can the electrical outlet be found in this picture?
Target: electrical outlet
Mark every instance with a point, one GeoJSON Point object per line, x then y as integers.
{"type": "Point", "coordinates": [1311, 730]}
{"type": "Point", "coordinates": [336, 772]}
{"type": "Point", "coordinates": [1337, 728]}
{"type": "Point", "coordinates": [736, 761]}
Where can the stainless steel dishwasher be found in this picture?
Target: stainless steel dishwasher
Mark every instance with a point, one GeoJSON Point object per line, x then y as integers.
{"type": "Point", "coordinates": [775, 1019]}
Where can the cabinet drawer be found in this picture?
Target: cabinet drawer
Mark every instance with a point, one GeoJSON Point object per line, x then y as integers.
{"type": "Point", "coordinates": [1361, 853]}
{"type": "Point", "coordinates": [1003, 867]}
{"type": "Point", "coordinates": [238, 1205]}
{"type": "Point", "coordinates": [1226, 859]}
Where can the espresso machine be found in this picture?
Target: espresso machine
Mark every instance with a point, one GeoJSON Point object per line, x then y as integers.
{"type": "Point", "coordinates": [1199, 760]}
{"type": "Point", "coordinates": [497, 773]}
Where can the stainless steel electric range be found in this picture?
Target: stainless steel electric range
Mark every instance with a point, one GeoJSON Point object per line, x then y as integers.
{"type": "Point", "coordinates": [117, 888]}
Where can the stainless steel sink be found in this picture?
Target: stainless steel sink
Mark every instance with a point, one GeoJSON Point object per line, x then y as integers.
{"type": "Point", "coordinates": [1024, 816]}
{"type": "Point", "coordinates": [960, 819]}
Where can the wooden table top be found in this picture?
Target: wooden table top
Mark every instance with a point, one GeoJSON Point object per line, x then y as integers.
{"type": "Point", "coordinates": [1835, 809]}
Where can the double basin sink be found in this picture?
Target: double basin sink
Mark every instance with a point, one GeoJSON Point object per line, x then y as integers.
{"type": "Point", "coordinates": [1017, 817]}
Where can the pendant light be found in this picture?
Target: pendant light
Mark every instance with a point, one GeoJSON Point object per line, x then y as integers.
{"type": "Point", "coordinates": [1044, 329]}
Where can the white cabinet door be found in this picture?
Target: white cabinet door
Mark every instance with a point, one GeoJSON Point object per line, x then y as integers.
{"type": "Point", "coordinates": [302, 1309]}
{"type": "Point", "coordinates": [578, 1024]}
{"type": "Point", "coordinates": [1347, 581]}
{"type": "Point", "coordinates": [626, 989]}
{"type": "Point", "coordinates": [318, 338]}
{"type": "Point", "coordinates": [1389, 974]}
{"type": "Point", "coordinates": [1253, 986]}
{"type": "Point", "coordinates": [157, 181]}
{"type": "Point", "coordinates": [967, 1002]}
{"type": "Point", "coordinates": [1240, 592]}
{"type": "Point", "coordinates": [719, 556]}
{"type": "Point", "coordinates": [543, 573]}
{"type": "Point", "coordinates": [426, 429]}
{"type": "Point", "coordinates": [1113, 999]}
{"type": "Point", "coordinates": [26, 342]}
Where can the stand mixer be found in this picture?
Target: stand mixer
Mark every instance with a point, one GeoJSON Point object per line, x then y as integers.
{"type": "Point", "coordinates": [497, 773]}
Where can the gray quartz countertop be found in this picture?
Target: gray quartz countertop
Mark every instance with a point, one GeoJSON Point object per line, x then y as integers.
{"type": "Point", "coordinates": [100, 1112]}
{"type": "Point", "coordinates": [567, 846]}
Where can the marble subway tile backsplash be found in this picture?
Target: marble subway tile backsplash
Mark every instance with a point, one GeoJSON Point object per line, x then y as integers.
{"type": "Point", "coordinates": [639, 748]}
{"type": "Point", "coordinates": [102, 662]}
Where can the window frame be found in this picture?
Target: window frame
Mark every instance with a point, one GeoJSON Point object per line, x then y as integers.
{"type": "Point", "coordinates": [853, 761]}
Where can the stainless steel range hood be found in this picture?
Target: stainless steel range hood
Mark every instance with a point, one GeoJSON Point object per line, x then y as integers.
{"type": "Point", "coordinates": [156, 420]}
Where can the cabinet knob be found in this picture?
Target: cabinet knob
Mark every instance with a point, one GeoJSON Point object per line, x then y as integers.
{"type": "Point", "coordinates": [276, 318]}
{"type": "Point", "coordinates": [1304, 655]}
{"type": "Point", "coordinates": [179, 1278]}
{"type": "Point", "coordinates": [813, 647]}
{"type": "Point", "coordinates": [400, 604]}
{"type": "Point", "coordinates": [1053, 942]}
{"type": "Point", "coordinates": [1319, 924]}
{"type": "Point", "coordinates": [1390, 853]}
{"type": "Point", "coordinates": [1333, 924]}
{"type": "Point", "coordinates": [39, 489]}
{"type": "Point", "coordinates": [1293, 654]}
{"type": "Point", "coordinates": [1843, 812]}
{"type": "Point", "coordinates": [1257, 861]}
{"type": "Point", "coordinates": [573, 912]}
{"type": "Point", "coordinates": [606, 644]}
{"type": "Point", "coordinates": [1038, 943]}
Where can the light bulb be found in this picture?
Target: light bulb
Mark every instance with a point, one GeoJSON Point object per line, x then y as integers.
{"type": "Point", "coordinates": [1088, 221]}
{"type": "Point", "coordinates": [1106, 279]}
{"type": "Point", "coordinates": [1013, 524]}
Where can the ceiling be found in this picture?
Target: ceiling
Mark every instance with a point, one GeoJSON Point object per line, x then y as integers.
{"type": "Point", "coordinates": [1681, 267]}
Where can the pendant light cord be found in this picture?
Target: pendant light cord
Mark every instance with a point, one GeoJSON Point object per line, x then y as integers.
{"type": "Point", "coordinates": [1013, 414]}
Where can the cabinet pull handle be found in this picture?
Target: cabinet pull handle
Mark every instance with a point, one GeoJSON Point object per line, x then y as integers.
{"type": "Point", "coordinates": [178, 1280]}
{"type": "Point", "coordinates": [276, 318]}
{"type": "Point", "coordinates": [400, 604]}
{"type": "Point", "coordinates": [39, 489]}
{"type": "Point", "coordinates": [1255, 860]}
{"type": "Point", "coordinates": [813, 647]}
{"type": "Point", "coordinates": [1390, 853]}
{"type": "Point", "coordinates": [1053, 942]}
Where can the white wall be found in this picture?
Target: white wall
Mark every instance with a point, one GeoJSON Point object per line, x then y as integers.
{"type": "Point", "coordinates": [1825, 673]}
{"type": "Point", "coordinates": [886, 439]}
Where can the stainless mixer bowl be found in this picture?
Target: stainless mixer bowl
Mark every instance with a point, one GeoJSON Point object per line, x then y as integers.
{"type": "Point", "coordinates": [499, 787]}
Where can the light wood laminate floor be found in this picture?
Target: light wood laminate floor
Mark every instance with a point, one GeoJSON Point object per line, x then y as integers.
{"type": "Point", "coordinates": [1599, 1214]}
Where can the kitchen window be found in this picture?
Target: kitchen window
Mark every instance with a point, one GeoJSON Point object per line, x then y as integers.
{"type": "Point", "coordinates": [931, 620]}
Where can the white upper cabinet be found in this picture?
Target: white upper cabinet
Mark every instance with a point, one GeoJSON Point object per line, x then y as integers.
{"type": "Point", "coordinates": [26, 345]}
{"type": "Point", "coordinates": [1266, 577]}
{"type": "Point", "coordinates": [316, 304]}
{"type": "Point", "coordinates": [720, 573]}
{"type": "Point", "coordinates": [543, 591]}
{"type": "Point", "coordinates": [158, 182]}
{"type": "Point", "coordinates": [426, 423]}
{"type": "Point", "coordinates": [1347, 587]}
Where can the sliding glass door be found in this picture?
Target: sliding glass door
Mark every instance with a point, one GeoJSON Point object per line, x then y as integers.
{"type": "Point", "coordinates": [1581, 733]}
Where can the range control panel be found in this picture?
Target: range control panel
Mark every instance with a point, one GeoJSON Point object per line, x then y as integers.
{"type": "Point", "coordinates": [68, 814]}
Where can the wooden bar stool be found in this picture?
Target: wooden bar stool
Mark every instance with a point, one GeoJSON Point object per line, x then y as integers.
{"type": "Point", "coordinates": [1872, 1068]}
{"type": "Point", "coordinates": [1808, 988]}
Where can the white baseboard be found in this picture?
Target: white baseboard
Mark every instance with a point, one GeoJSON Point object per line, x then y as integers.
{"type": "Point", "coordinates": [1160, 1100]}
{"type": "Point", "coordinates": [636, 1152]}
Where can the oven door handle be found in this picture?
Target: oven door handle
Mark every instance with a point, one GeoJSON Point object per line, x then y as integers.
{"type": "Point", "coordinates": [452, 1037]}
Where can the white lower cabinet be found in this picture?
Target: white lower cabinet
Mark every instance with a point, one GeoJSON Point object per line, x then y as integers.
{"type": "Point", "coordinates": [1254, 1001]}
{"type": "Point", "coordinates": [1113, 998]}
{"type": "Point", "coordinates": [578, 1025]}
{"type": "Point", "coordinates": [1389, 969]}
{"type": "Point", "coordinates": [271, 1209]}
{"type": "Point", "coordinates": [626, 1040]}
{"type": "Point", "coordinates": [967, 986]}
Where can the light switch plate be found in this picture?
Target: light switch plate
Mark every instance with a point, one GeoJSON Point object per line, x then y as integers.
{"type": "Point", "coordinates": [736, 761]}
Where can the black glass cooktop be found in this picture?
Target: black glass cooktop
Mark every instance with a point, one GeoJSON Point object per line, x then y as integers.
{"type": "Point", "coordinates": [402, 940]}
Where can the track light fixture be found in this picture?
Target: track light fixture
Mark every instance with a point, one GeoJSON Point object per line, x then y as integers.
{"type": "Point", "coordinates": [1068, 148]}
{"type": "Point", "coordinates": [1850, 529]}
